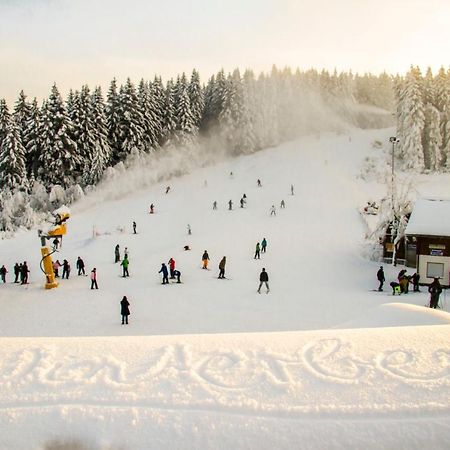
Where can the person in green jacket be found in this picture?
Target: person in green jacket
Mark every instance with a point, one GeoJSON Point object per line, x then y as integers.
{"type": "Point", "coordinates": [125, 263]}
{"type": "Point", "coordinates": [257, 251]}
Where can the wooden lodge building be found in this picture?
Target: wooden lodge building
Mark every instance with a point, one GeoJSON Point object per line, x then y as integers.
{"type": "Point", "coordinates": [428, 240]}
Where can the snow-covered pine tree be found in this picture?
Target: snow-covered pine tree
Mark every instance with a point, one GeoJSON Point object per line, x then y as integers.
{"type": "Point", "coordinates": [432, 138]}
{"type": "Point", "coordinates": [169, 119]}
{"type": "Point", "coordinates": [254, 107]}
{"type": "Point", "coordinates": [413, 120]}
{"type": "Point", "coordinates": [149, 118]}
{"type": "Point", "coordinates": [196, 99]}
{"type": "Point", "coordinates": [58, 158]}
{"type": "Point", "coordinates": [102, 143]}
{"type": "Point", "coordinates": [4, 118]}
{"type": "Point", "coordinates": [33, 140]}
{"type": "Point", "coordinates": [12, 157]}
{"type": "Point", "coordinates": [158, 96]}
{"type": "Point", "coordinates": [22, 114]}
{"type": "Point", "coordinates": [185, 127]}
{"type": "Point", "coordinates": [131, 121]}
{"type": "Point", "coordinates": [443, 106]}
{"type": "Point", "coordinates": [113, 121]}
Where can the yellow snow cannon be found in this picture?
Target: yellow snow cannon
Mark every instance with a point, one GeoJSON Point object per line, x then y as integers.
{"type": "Point", "coordinates": [56, 232]}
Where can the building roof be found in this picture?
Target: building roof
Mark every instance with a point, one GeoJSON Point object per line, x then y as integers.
{"type": "Point", "coordinates": [430, 218]}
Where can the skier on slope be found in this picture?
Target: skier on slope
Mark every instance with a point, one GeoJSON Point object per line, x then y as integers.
{"type": "Point", "coordinates": [273, 211]}
{"type": "Point", "coordinates": [257, 251]}
{"type": "Point", "coordinates": [222, 267]}
{"type": "Point", "coordinates": [24, 273]}
{"type": "Point", "coordinates": [134, 227]}
{"type": "Point", "coordinates": [177, 275]}
{"type": "Point", "coordinates": [263, 245]}
{"type": "Point", "coordinates": [66, 269]}
{"type": "Point", "coordinates": [117, 254]}
{"type": "Point", "coordinates": [56, 266]}
{"type": "Point", "coordinates": [125, 263]}
{"type": "Point", "coordinates": [205, 259]}
{"type": "Point", "coordinates": [16, 272]}
{"type": "Point", "coordinates": [263, 279]}
{"type": "Point", "coordinates": [94, 279]}
{"type": "Point", "coordinates": [80, 266]}
{"type": "Point", "coordinates": [230, 205]}
{"type": "Point", "coordinates": [435, 290]}
{"type": "Point", "coordinates": [214, 205]}
{"type": "Point", "coordinates": [165, 274]}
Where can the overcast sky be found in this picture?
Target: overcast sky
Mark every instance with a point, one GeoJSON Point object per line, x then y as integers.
{"type": "Point", "coordinates": [72, 42]}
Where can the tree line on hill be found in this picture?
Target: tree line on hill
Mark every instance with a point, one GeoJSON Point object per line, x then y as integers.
{"type": "Point", "coordinates": [52, 152]}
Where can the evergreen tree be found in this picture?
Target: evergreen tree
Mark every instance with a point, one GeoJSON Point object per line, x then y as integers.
{"type": "Point", "coordinates": [169, 119]}
{"type": "Point", "coordinates": [184, 120]}
{"type": "Point", "coordinates": [58, 159]}
{"type": "Point", "coordinates": [4, 119]}
{"type": "Point", "coordinates": [443, 106]}
{"type": "Point", "coordinates": [113, 120]}
{"type": "Point", "coordinates": [22, 114]}
{"type": "Point", "coordinates": [196, 99]}
{"type": "Point", "coordinates": [432, 138]}
{"type": "Point", "coordinates": [158, 95]}
{"type": "Point", "coordinates": [12, 156]}
{"type": "Point", "coordinates": [413, 120]}
{"type": "Point", "coordinates": [32, 139]}
{"type": "Point", "coordinates": [150, 120]}
{"type": "Point", "coordinates": [131, 123]}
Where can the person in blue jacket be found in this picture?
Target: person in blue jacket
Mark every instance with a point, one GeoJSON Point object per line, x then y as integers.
{"type": "Point", "coordinates": [165, 274]}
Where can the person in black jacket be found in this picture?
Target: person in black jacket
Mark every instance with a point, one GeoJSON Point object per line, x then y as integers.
{"type": "Point", "coordinates": [24, 273]}
{"type": "Point", "coordinates": [80, 266]}
{"type": "Point", "coordinates": [124, 310]}
{"type": "Point", "coordinates": [263, 278]}
{"type": "Point", "coordinates": [165, 274]}
{"type": "Point", "coordinates": [17, 270]}
{"type": "Point", "coordinates": [66, 269]}
{"type": "Point", "coordinates": [380, 278]}
{"type": "Point", "coordinates": [435, 290]}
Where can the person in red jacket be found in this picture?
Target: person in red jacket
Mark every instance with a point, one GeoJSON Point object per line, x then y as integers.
{"type": "Point", "coordinates": [172, 267]}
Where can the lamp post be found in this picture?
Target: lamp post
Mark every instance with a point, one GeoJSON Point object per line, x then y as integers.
{"type": "Point", "coordinates": [394, 140]}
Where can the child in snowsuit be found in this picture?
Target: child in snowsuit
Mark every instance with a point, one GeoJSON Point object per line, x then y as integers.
{"type": "Point", "coordinates": [205, 259]}
{"type": "Point", "coordinates": [172, 268]}
{"type": "Point", "coordinates": [56, 266]}
{"type": "Point", "coordinates": [177, 274]}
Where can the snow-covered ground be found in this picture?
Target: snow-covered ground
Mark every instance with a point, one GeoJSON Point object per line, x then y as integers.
{"type": "Point", "coordinates": [320, 362]}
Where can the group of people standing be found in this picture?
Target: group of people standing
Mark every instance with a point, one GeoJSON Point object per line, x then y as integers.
{"type": "Point", "coordinates": [21, 272]}
{"type": "Point", "coordinates": [401, 286]}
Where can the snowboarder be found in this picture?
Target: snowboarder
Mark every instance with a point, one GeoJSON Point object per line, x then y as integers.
{"type": "Point", "coordinates": [3, 272]}
{"type": "Point", "coordinates": [380, 278]}
{"type": "Point", "coordinates": [66, 269]}
{"type": "Point", "coordinates": [263, 245]}
{"type": "Point", "coordinates": [258, 182]}
{"type": "Point", "coordinates": [273, 211]}
{"type": "Point", "coordinates": [56, 266]}
{"type": "Point", "coordinates": [292, 189]}
{"type": "Point", "coordinates": [124, 310]}
{"type": "Point", "coordinates": [435, 290]}
{"type": "Point", "coordinates": [152, 208]}
{"type": "Point", "coordinates": [117, 254]}
{"type": "Point", "coordinates": [165, 274]}
{"type": "Point", "coordinates": [257, 251]}
{"type": "Point", "coordinates": [214, 205]}
{"type": "Point", "coordinates": [16, 273]}
{"type": "Point", "coordinates": [94, 279]}
{"type": "Point", "coordinates": [172, 268]}
{"type": "Point", "coordinates": [80, 266]}
{"type": "Point", "coordinates": [189, 229]}
{"type": "Point", "coordinates": [263, 279]}
{"type": "Point", "coordinates": [24, 273]}
{"type": "Point", "coordinates": [282, 204]}
{"type": "Point", "coordinates": [205, 259]}
{"type": "Point", "coordinates": [230, 205]}
{"type": "Point", "coordinates": [134, 227]}
{"type": "Point", "coordinates": [167, 189]}
{"type": "Point", "coordinates": [125, 263]}
{"type": "Point", "coordinates": [222, 267]}
{"type": "Point", "coordinates": [415, 280]}
{"type": "Point", "coordinates": [177, 274]}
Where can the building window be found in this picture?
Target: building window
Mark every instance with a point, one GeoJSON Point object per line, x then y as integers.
{"type": "Point", "coordinates": [435, 270]}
